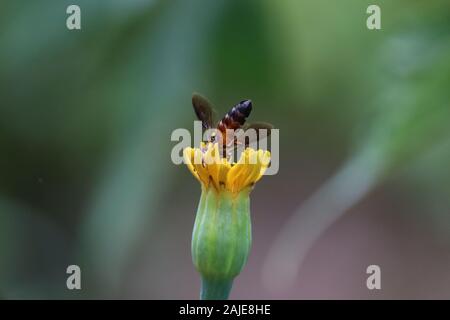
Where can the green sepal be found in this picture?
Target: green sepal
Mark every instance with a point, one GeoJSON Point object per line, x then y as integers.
{"type": "Point", "coordinates": [221, 240]}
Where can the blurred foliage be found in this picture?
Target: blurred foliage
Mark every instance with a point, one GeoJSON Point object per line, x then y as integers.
{"type": "Point", "coordinates": [86, 116]}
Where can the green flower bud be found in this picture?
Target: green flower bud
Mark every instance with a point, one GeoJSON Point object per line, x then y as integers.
{"type": "Point", "coordinates": [221, 240]}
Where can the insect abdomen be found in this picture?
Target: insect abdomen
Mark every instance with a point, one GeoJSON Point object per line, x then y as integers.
{"type": "Point", "coordinates": [236, 117]}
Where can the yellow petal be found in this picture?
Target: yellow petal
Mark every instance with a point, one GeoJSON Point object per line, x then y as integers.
{"type": "Point", "coordinates": [238, 173]}
{"type": "Point", "coordinates": [256, 168]}
{"type": "Point", "coordinates": [265, 161]}
{"type": "Point", "coordinates": [213, 163]}
{"type": "Point", "coordinates": [200, 168]}
{"type": "Point", "coordinates": [225, 168]}
{"type": "Point", "coordinates": [188, 156]}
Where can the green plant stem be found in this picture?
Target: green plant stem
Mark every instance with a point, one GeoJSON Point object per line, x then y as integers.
{"type": "Point", "coordinates": [215, 289]}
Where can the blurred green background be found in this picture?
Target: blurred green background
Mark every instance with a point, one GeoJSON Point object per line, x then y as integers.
{"type": "Point", "coordinates": [85, 124]}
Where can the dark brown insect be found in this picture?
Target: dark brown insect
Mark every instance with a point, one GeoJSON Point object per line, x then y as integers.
{"type": "Point", "coordinates": [233, 119]}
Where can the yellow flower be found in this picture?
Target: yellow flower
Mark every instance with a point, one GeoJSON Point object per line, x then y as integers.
{"type": "Point", "coordinates": [221, 238]}
{"type": "Point", "coordinates": [212, 170]}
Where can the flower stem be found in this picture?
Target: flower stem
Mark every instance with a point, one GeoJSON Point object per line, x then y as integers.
{"type": "Point", "coordinates": [215, 289]}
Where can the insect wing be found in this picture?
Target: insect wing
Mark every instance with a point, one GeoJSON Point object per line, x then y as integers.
{"type": "Point", "coordinates": [242, 138]}
{"type": "Point", "coordinates": [203, 109]}
{"type": "Point", "coordinates": [257, 126]}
